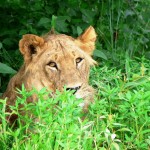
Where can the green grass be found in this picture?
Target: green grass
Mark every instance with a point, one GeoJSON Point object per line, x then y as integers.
{"type": "Point", "coordinates": [119, 118]}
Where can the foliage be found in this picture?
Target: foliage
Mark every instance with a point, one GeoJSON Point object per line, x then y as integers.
{"type": "Point", "coordinates": [122, 26]}
{"type": "Point", "coordinates": [119, 118]}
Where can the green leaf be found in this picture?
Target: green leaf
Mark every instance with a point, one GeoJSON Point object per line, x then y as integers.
{"type": "Point", "coordinates": [23, 31]}
{"type": "Point", "coordinates": [88, 15]}
{"type": "Point", "coordinates": [146, 131]}
{"type": "Point", "coordinates": [8, 41]}
{"type": "Point", "coordinates": [148, 141]}
{"type": "Point", "coordinates": [118, 124]}
{"type": "Point", "coordinates": [53, 23]}
{"type": "Point", "coordinates": [1, 45]}
{"type": "Point", "coordinates": [79, 30]}
{"type": "Point", "coordinates": [100, 54]}
{"type": "Point", "coordinates": [138, 82]}
{"type": "Point", "coordinates": [44, 21]}
{"type": "Point", "coordinates": [6, 69]}
{"type": "Point", "coordinates": [128, 13]}
{"type": "Point", "coordinates": [124, 129]}
{"type": "Point", "coordinates": [61, 24]}
{"type": "Point", "coordinates": [116, 146]}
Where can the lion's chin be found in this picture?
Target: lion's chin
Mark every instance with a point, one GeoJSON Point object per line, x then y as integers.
{"type": "Point", "coordinates": [86, 93]}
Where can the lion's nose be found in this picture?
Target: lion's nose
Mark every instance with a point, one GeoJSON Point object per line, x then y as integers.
{"type": "Point", "coordinates": [73, 88]}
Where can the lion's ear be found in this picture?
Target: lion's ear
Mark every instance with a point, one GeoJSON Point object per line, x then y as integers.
{"type": "Point", "coordinates": [86, 41]}
{"type": "Point", "coordinates": [30, 45]}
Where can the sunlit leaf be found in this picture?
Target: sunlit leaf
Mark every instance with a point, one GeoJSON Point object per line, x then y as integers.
{"type": "Point", "coordinates": [116, 146]}
{"type": "Point", "coordinates": [138, 82]}
{"type": "Point", "coordinates": [124, 129]}
{"type": "Point", "coordinates": [79, 30]}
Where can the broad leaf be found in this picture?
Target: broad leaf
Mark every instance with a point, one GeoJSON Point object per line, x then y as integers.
{"type": "Point", "coordinates": [100, 54]}
{"type": "Point", "coordinates": [6, 69]}
{"type": "Point", "coordinates": [44, 21]}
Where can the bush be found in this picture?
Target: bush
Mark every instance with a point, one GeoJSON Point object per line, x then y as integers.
{"type": "Point", "coordinates": [122, 27]}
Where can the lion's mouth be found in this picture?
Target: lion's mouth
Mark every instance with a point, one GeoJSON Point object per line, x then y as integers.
{"type": "Point", "coordinates": [75, 89]}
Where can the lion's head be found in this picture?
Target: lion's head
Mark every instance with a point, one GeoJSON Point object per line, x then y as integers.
{"type": "Point", "coordinates": [54, 61]}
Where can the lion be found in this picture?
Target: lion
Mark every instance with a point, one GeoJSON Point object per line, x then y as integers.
{"type": "Point", "coordinates": [54, 61]}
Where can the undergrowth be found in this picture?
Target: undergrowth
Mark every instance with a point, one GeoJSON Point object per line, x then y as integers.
{"type": "Point", "coordinates": [118, 119]}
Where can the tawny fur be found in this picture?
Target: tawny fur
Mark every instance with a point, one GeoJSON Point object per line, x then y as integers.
{"type": "Point", "coordinates": [39, 52]}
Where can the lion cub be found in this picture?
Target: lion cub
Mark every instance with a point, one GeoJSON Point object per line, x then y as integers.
{"type": "Point", "coordinates": [54, 61]}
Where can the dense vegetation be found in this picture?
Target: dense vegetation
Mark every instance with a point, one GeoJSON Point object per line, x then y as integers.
{"type": "Point", "coordinates": [119, 118]}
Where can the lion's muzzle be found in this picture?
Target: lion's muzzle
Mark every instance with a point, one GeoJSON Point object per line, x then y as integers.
{"type": "Point", "coordinates": [75, 89]}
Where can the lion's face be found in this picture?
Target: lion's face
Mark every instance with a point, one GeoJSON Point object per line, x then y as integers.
{"type": "Point", "coordinates": [55, 61]}
{"type": "Point", "coordinates": [64, 64]}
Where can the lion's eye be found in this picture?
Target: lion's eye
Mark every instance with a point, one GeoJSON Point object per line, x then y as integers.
{"type": "Point", "coordinates": [78, 60]}
{"type": "Point", "coordinates": [52, 64]}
